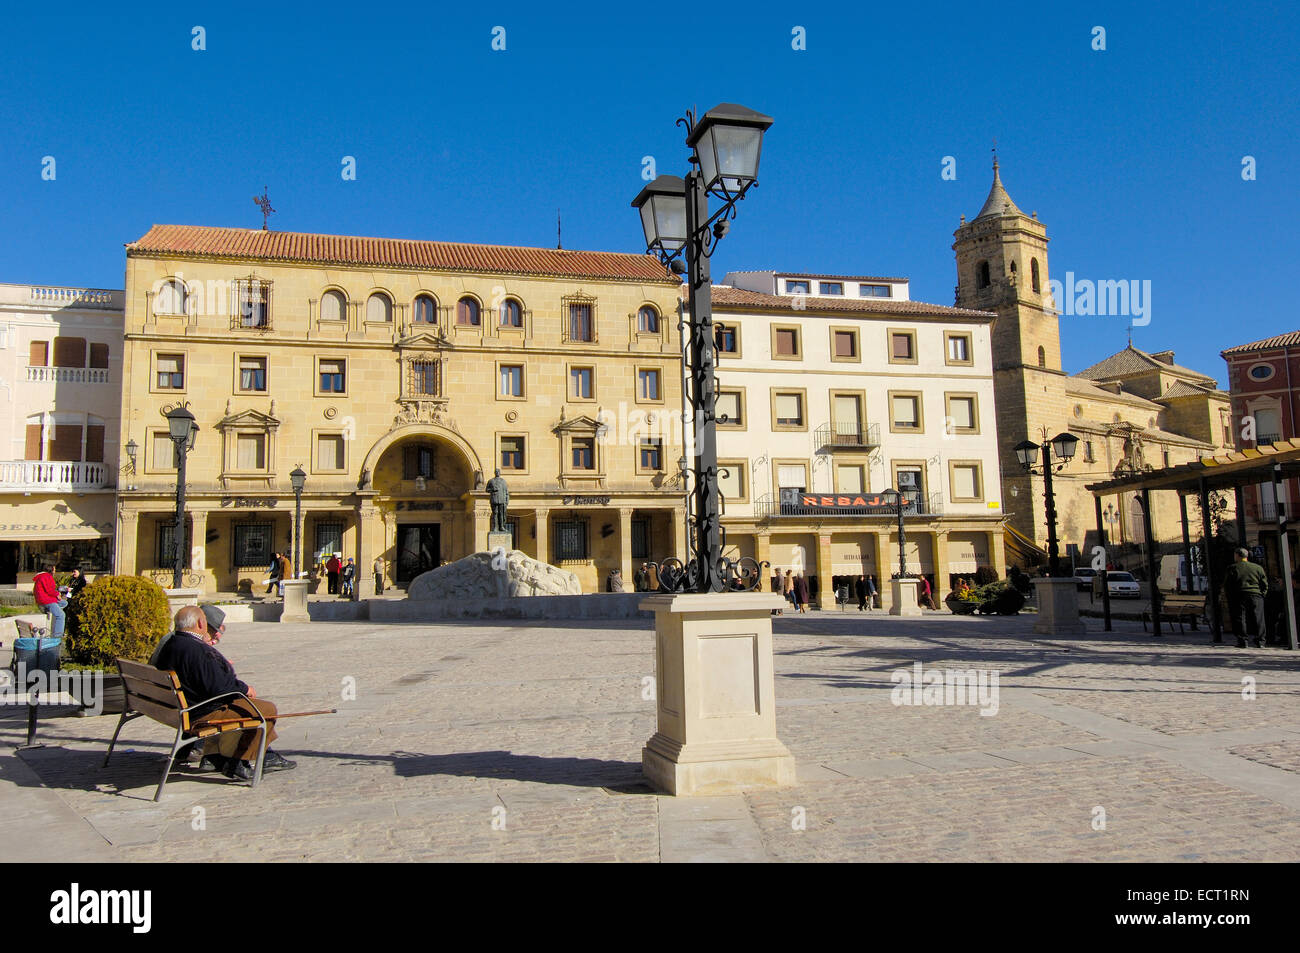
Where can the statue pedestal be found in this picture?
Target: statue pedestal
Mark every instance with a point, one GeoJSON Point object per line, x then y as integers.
{"type": "Point", "coordinates": [1058, 607]}
{"type": "Point", "coordinates": [294, 606]}
{"type": "Point", "coordinates": [715, 695]}
{"type": "Point", "coordinates": [904, 593]}
{"type": "Point", "coordinates": [501, 540]}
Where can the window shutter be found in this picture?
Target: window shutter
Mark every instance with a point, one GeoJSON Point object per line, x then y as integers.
{"type": "Point", "coordinates": [69, 352]}
{"type": "Point", "coordinates": [792, 477]}
{"type": "Point", "coordinates": [33, 451]}
{"type": "Point", "coordinates": [95, 443]}
{"type": "Point", "coordinates": [38, 353]}
{"type": "Point", "coordinates": [99, 355]}
{"type": "Point", "coordinates": [66, 442]}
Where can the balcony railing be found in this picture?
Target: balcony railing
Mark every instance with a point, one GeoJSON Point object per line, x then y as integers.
{"type": "Point", "coordinates": [68, 375]}
{"type": "Point", "coordinates": [1266, 439]}
{"type": "Point", "coordinates": [98, 298]}
{"type": "Point", "coordinates": [53, 475]}
{"type": "Point", "coordinates": [847, 436]}
{"type": "Point", "coordinates": [841, 506]}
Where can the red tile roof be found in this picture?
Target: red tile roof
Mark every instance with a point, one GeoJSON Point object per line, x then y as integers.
{"type": "Point", "coordinates": [200, 241]}
{"type": "Point", "coordinates": [1282, 340]}
{"type": "Point", "coordinates": [735, 299]}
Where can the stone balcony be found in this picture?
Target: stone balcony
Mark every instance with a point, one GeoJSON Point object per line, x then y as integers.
{"type": "Point", "coordinates": [67, 375]}
{"type": "Point", "coordinates": [53, 476]}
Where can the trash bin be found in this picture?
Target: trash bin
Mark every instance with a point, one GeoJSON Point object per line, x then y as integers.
{"type": "Point", "coordinates": [37, 654]}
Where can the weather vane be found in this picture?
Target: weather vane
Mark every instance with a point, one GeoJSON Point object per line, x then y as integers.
{"type": "Point", "coordinates": [264, 203]}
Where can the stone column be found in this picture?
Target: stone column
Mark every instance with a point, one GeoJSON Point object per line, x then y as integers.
{"type": "Point", "coordinates": [542, 518]}
{"type": "Point", "coordinates": [199, 550]}
{"type": "Point", "coordinates": [825, 591]}
{"type": "Point", "coordinates": [998, 553]}
{"type": "Point", "coordinates": [763, 554]}
{"type": "Point", "coordinates": [679, 537]}
{"type": "Point", "coordinates": [940, 568]}
{"type": "Point", "coordinates": [625, 546]}
{"type": "Point", "coordinates": [482, 521]}
{"type": "Point", "coordinates": [369, 544]}
{"type": "Point", "coordinates": [124, 543]}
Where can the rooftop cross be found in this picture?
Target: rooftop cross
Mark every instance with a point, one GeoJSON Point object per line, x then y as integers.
{"type": "Point", "coordinates": [264, 203]}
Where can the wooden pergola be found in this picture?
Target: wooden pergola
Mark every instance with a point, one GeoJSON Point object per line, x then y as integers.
{"type": "Point", "coordinates": [1234, 470]}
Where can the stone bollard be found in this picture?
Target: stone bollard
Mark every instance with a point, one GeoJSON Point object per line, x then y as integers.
{"type": "Point", "coordinates": [294, 606]}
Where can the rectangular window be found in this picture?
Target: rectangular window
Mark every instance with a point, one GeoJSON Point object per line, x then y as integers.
{"type": "Point", "coordinates": [171, 371]}
{"type": "Point", "coordinates": [911, 482]}
{"type": "Point", "coordinates": [873, 291]}
{"type": "Point", "coordinates": [831, 287]}
{"type": "Point", "coordinates": [792, 477]}
{"type": "Point", "coordinates": [584, 453]}
{"type": "Point", "coordinates": [571, 539]}
{"type": "Point", "coordinates": [165, 545]}
{"type": "Point", "coordinates": [512, 380]}
{"type": "Point", "coordinates": [253, 303]}
{"type": "Point", "coordinates": [728, 404]}
{"type": "Point", "coordinates": [95, 443]}
{"type": "Point", "coordinates": [424, 378]}
{"type": "Point", "coordinates": [33, 449]}
{"type": "Point", "coordinates": [418, 461]}
{"type": "Point", "coordinates": [789, 410]}
{"type": "Point", "coordinates": [580, 325]}
{"type": "Point", "coordinates": [959, 349]}
{"type": "Point", "coordinates": [906, 413]}
{"type": "Point", "coordinates": [647, 384]}
{"type": "Point", "coordinates": [329, 451]}
{"type": "Point", "coordinates": [329, 538]}
{"type": "Point", "coordinates": [785, 342]}
{"type": "Point", "coordinates": [640, 538]}
{"type": "Point", "coordinates": [252, 549]}
{"type": "Point", "coordinates": [252, 373]}
{"type": "Point", "coordinates": [98, 355]}
{"type": "Point", "coordinates": [962, 412]}
{"type": "Point", "coordinates": [164, 452]}
{"type": "Point", "coordinates": [580, 383]}
{"type": "Point", "coordinates": [65, 442]}
{"type": "Point", "coordinates": [848, 478]}
{"type": "Point", "coordinates": [731, 484]}
{"type": "Point", "coordinates": [333, 376]}
{"type": "Point", "coordinates": [846, 344]}
{"type": "Point", "coordinates": [652, 454]}
{"type": "Point", "coordinates": [512, 453]}
{"type": "Point", "coordinates": [965, 481]}
{"type": "Point", "coordinates": [902, 346]}
{"type": "Point", "coordinates": [250, 451]}
{"type": "Point", "coordinates": [726, 339]}
{"type": "Point", "coordinates": [796, 287]}
{"type": "Point", "coordinates": [69, 352]}
{"type": "Point", "coordinates": [38, 353]}
{"type": "Point", "coordinates": [1087, 452]}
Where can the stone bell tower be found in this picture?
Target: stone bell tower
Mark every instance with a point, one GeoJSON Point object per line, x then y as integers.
{"type": "Point", "coordinates": [1002, 267]}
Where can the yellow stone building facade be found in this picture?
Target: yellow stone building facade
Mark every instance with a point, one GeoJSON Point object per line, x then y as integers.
{"type": "Point", "coordinates": [399, 375]}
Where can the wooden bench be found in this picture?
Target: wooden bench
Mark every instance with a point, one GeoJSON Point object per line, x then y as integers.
{"type": "Point", "coordinates": [1179, 609]}
{"type": "Point", "coordinates": [157, 694]}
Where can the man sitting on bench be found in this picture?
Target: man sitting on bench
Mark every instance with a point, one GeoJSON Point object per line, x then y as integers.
{"type": "Point", "coordinates": [204, 673]}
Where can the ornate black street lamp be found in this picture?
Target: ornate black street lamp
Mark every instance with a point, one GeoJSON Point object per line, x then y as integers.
{"type": "Point", "coordinates": [899, 502]}
{"type": "Point", "coordinates": [1061, 447]}
{"type": "Point", "coordinates": [725, 145]}
{"type": "Point", "coordinates": [182, 429]}
{"type": "Point", "coordinates": [297, 479]}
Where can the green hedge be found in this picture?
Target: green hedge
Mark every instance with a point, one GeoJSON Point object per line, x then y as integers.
{"type": "Point", "coordinates": [116, 617]}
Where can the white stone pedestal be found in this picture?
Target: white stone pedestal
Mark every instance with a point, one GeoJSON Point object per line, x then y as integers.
{"type": "Point", "coordinates": [294, 606]}
{"type": "Point", "coordinates": [181, 597]}
{"type": "Point", "coordinates": [502, 540]}
{"type": "Point", "coordinates": [715, 695]}
{"type": "Point", "coordinates": [904, 593]}
{"type": "Point", "coordinates": [1058, 607]}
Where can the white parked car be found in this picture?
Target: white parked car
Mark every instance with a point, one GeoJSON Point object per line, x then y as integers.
{"type": "Point", "coordinates": [1122, 585]}
{"type": "Point", "coordinates": [1083, 576]}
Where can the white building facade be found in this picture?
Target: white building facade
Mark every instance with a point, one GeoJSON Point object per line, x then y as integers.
{"type": "Point", "coordinates": [60, 376]}
{"type": "Point", "coordinates": [833, 394]}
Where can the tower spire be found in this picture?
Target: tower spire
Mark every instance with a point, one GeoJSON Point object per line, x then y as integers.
{"type": "Point", "coordinates": [998, 202]}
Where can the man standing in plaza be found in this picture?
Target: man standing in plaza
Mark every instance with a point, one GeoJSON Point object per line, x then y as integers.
{"type": "Point", "coordinates": [1246, 585]}
{"type": "Point", "coordinates": [379, 575]}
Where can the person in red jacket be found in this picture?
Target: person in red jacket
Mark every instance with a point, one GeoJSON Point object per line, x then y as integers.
{"type": "Point", "coordinates": [333, 567]}
{"type": "Point", "coordinates": [46, 592]}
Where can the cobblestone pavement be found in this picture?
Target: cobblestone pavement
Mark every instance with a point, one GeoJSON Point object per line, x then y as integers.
{"type": "Point", "coordinates": [500, 742]}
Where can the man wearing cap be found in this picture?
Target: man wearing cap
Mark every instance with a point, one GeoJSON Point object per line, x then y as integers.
{"type": "Point", "coordinates": [1246, 585]}
{"type": "Point", "coordinates": [205, 673]}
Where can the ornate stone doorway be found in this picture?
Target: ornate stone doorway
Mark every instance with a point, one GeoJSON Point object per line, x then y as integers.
{"type": "Point", "coordinates": [419, 549]}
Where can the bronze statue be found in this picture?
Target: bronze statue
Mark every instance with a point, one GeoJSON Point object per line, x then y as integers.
{"type": "Point", "coordinates": [499, 496]}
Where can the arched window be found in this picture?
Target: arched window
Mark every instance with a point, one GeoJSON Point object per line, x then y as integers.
{"type": "Point", "coordinates": [467, 311]}
{"type": "Point", "coordinates": [1033, 275]}
{"type": "Point", "coordinates": [426, 310]}
{"type": "Point", "coordinates": [647, 320]}
{"type": "Point", "coordinates": [379, 308]}
{"type": "Point", "coordinates": [171, 298]}
{"type": "Point", "coordinates": [1042, 357]}
{"type": "Point", "coordinates": [512, 314]}
{"type": "Point", "coordinates": [333, 306]}
{"type": "Point", "coordinates": [983, 280]}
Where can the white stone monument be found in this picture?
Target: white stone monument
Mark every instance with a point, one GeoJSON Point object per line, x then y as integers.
{"type": "Point", "coordinates": [294, 606]}
{"type": "Point", "coordinates": [904, 594]}
{"type": "Point", "coordinates": [1058, 607]}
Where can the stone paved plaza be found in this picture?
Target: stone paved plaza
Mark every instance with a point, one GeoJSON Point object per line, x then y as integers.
{"type": "Point", "coordinates": [492, 741]}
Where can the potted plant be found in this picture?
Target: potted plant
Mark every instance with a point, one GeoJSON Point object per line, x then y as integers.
{"type": "Point", "coordinates": [114, 617]}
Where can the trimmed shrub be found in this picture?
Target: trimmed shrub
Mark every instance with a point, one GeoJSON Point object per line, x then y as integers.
{"type": "Point", "coordinates": [985, 575]}
{"type": "Point", "coordinates": [116, 617]}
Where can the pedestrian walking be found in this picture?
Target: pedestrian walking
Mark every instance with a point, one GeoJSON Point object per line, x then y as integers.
{"type": "Point", "coordinates": [927, 594]}
{"type": "Point", "coordinates": [801, 592]}
{"type": "Point", "coordinates": [332, 568]}
{"type": "Point", "coordinates": [379, 575]}
{"type": "Point", "coordinates": [653, 581]}
{"type": "Point", "coordinates": [614, 583]}
{"type": "Point", "coordinates": [273, 573]}
{"type": "Point", "coordinates": [1246, 585]}
{"type": "Point", "coordinates": [286, 572]}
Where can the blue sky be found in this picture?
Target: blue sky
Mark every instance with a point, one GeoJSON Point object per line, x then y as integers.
{"type": "Point", "coordinates": [1131, 156]}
